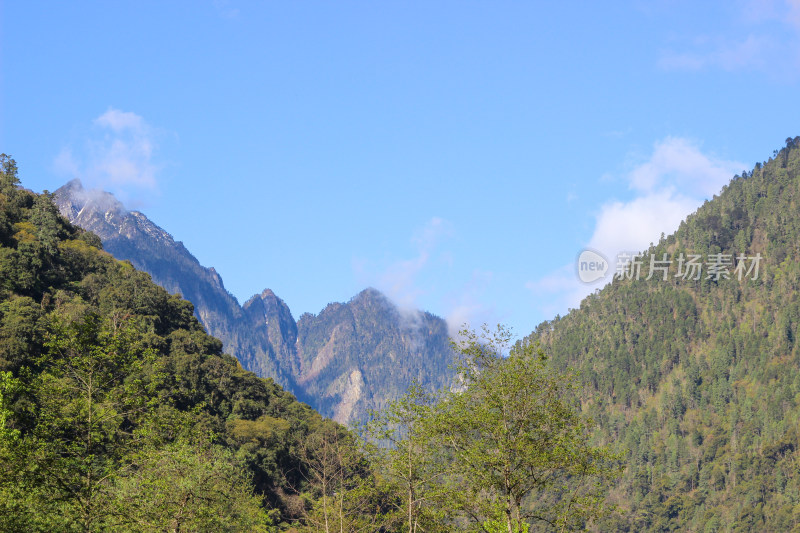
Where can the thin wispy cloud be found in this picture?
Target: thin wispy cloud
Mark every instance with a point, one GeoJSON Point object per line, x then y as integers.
{"type": "Point", "coordinates": [759, 32]}
{"type": "Point", "coordinates": [400, 279]}
{"type": "Point", "coordinates": [466, 305]}
{"type": "Point", "coordinates": [678, 162]}
{"type": "Point", "coordinates": [409, 281]}
{"type": "Point", "coordinates": [119, 121]}
{"type": "Point", "coordinates": [729, 54]}
{"type": "Point", "coordinates": [116, 153]}
{"type": "Point", "coordinates": [759, 11]}
{"type": "Point", "coordinates": [225, 9]}
{"type": "Point", "coordinates": [669, 185]}
{"type": "Point", "coordinates": [558, 291]}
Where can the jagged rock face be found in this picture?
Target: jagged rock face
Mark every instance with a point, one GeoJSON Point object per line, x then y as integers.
{"type": "Point", "coordinates": [267, 338]}
{"type": "Point", "coordinates": [350, 354]}
{"type": "Point", "coordinates": [347, 360]}
{"type": "Point", "coordinates": [356, 356]}
{"type": "Point", "coordinates": [131, 236]}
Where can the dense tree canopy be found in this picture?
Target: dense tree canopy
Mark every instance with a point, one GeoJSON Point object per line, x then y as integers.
{"type": "Point", "coordinates": [505, 449]}
{"type": "Point", "coordinates": [696, 381]}
{"type": "Point", "coordinates": [117, 411]}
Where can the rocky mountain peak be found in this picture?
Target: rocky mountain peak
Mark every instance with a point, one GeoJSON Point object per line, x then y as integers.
{"type": "Point", "coordinates": [76, 202]}
{"type": "Point", "coordinates": [350, 358]}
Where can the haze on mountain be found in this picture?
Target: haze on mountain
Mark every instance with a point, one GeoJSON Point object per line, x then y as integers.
{"type": "Point", "coordinates": [349, 359]}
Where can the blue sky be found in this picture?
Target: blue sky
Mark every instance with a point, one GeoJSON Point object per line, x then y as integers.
{"type": "Point", "coordinates": [456, 155]}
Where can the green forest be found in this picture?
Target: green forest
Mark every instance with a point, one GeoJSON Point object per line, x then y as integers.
{"type": "Point", "coordinates": [119, 413]}
{"type": "Point", "coordinates": [696, 382]}
{"type": "Point", "coordinates": [668, 403]}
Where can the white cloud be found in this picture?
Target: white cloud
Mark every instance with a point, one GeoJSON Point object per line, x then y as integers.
{"type": "Point", "coordinates": [679, 162]}
{"type": "Point", "coordinates": [669, 186]}
{"type": "Point", "coordinates": [633, 225]}
{"type": "Point", "coordinates": [432, 233]}
{"type": "Point", "coordinates": [119, 121]}
{"type": "Point", "coordinates": [117, 153]}
{"type": "Point", "coordinates": [754, 51]}
{"type": "Point", "coordinates": [398, 281]}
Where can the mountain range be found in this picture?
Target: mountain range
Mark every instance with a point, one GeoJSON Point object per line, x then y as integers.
{"type": "Point", "coordinates": [691, 377]}
{"type": "Point", "coordinates": [349, 359]}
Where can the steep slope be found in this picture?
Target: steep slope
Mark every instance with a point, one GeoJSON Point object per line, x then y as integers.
{"type": "Point", "coordinates": [116, 409]}
{"type": "Point", "coordinates": [266, 339]}
{"type": "Point", "coordinates": [347, 360]}
{"type": "Point", "coordinates": [697, 381]}
{"type": "Point", "coordinates": [131, 236]}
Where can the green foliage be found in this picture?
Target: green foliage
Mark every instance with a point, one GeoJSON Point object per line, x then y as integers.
{"type": "Point", "coordinates": [117, 411]}
{"type": "Point", "coordinates": [411, 461]}
{"type": "Point", "coordinates": [82, 400]}
{"type": "Point", "coordinates": [504, 448]}
{"type": "Point", "coordinates": [183, 487]}
{"type": "Point", "coordinates": [7, 386]}
{"type": "Point", "coordinates": [516, 439]}
{"type": "Point", "coordinates": [696, 382]}
{"type": "Point", "coordinates": [500, 526]}
{"type": "Point", "coordinates": [9, 179]}
{"type": "Point", "coordinates": [343, 494]}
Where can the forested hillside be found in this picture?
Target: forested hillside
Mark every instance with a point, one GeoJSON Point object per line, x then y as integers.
{"type": "Point", "coordinates": [697, 381]}
{"type": "Point", "coordinates": [131, 236]}
{"type": "Point", "coordinates": [117, 411]}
